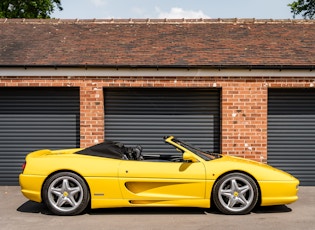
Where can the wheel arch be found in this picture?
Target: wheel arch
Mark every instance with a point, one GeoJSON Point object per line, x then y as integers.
{"type": "Point", "coordinates": [65, 170]}
{"type": "Point", "coordinates": [238, 171]}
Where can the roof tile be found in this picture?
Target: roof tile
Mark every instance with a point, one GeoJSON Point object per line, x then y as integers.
{"type": "Point", "coordinates": [156, 42]}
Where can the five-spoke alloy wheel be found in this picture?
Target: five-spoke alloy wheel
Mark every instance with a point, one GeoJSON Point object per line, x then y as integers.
{"type": "Point", "coordinates": [66, 193]}
{"type": "Point", "coordinates": [235, 193]}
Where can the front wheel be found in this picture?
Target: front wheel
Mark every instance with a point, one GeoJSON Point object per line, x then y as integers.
{"type": "Point", "coordinates": [66, 193]}
{"type": "Point", "coordinates": [235, 193]}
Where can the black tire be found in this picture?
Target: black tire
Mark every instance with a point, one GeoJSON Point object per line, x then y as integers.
{"type": "Point", "coordinates": [235, 193]}
{"type": "Point", "coordinates": [66, 194]}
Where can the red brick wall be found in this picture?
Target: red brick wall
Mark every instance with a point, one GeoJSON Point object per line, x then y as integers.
{"type": "Point", "coordinates": [244, 104]}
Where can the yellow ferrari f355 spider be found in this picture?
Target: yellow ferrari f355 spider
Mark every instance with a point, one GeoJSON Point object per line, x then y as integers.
{"type": "Point", "coordinates": [113, 175]}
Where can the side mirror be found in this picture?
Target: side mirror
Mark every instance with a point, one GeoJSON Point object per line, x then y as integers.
{"type": "Point", "coordinates": [188, 156]}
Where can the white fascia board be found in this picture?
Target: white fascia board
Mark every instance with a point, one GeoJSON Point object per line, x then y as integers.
{"type": "Point", "coordinates": [151, 72]}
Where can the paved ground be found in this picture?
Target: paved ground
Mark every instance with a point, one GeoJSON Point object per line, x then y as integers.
{"type": "Point", "coordinates": [17, 213]}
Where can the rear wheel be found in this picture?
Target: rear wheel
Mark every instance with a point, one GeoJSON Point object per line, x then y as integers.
{"type": "Point", "coordinates": [235, 193]}
{"type": "Point", "coordinates": [66, 193]}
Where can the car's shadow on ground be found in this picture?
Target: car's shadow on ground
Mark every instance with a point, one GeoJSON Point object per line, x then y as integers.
{"type": "Point", "coordinates": [272, 209]}
{"type": "Point", "coordinates": [180, 211]}
{"type": "Point", "coordinates": [33, 207]}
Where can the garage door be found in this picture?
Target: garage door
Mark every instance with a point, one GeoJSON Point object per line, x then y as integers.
{"type": "Point", "coordinates": [35, 118]}
{"type": "Point", "coordinates": [291, 132]}
{"type": "Point", "coordinates": [143, 116]}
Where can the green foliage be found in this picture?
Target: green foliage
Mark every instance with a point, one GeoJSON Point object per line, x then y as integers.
{"type": "Point", "coordinates": [304, 7]}
{"type": "Point", "coordinates": [28, 8]}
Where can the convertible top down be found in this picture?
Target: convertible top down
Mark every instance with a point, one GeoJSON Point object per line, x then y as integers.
{"type": "Point", "coordinates": [111, 174]}
{"type": "Point", "coordinates": [115, 150]}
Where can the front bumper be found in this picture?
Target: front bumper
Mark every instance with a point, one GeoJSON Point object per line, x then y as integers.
{"type": "Point", "coordinates": [279, 192]}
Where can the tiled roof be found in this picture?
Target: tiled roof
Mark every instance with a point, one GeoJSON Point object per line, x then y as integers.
{"type": "Point", "coordinates": [158, 43]}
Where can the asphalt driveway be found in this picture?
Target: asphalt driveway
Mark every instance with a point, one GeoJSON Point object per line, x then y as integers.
{"type": "Point", "coordinates": [17, 213]}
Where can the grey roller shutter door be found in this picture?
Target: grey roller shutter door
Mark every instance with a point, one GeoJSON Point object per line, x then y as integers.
{"type": "Point", "coordinates": [144, 115]}
{"type": "Point", "coordinates": [35, 118]}
{"type": "Point", "coordinates": [291, 132]}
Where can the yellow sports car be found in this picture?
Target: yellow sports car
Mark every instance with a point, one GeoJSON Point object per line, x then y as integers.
{"type": "Point", "coordinates": [113, 175]}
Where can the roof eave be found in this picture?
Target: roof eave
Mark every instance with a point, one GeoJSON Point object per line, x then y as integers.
{"type": "Point", "coordinates": [219, 67]}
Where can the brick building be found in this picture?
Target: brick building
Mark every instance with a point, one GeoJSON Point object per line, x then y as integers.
{"type": "Point", "coordinates": [242, 87]}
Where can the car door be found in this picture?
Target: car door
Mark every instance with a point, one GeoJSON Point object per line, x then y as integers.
{"type": "Point", "coordinates": [143, 181]}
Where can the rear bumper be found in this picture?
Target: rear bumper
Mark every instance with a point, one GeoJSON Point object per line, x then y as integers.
{"type": "Point", "coordinates": [31, 186]}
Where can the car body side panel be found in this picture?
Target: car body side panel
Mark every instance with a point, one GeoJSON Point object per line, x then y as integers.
{"type": "Point", "coordinates": [259, 171]}
{"type": "Point", "coordinates": [105, 192]}
{"type": "Point", "coordinates": [83, 165]}
{"type": "Point", "coordinates": [151, 183]}
{"type": "Point", "coordinates": [101, 174]}
{"type": "Point", "coordinates": [276, 186]}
